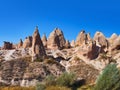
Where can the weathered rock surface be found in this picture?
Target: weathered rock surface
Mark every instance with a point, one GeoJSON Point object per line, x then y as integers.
{"type": "Point", "coordinates": [67, 44]}
{"type": "Point", "coordinates": [20, 44]}
{"type": "Point", "coordinates": [72, 43]}
{"type": "Point", "coordinates": [83, 71]}
{"type": "Point", "coordinates": [7, 45]}
{"type": "Point", "coordinates": [56, 40]}
{"type": "Point", "coordinates": [101, 40]}
{"type": "Point", "coordinates": [116, 44]}
{"type": "Point", "coordinates": [81, 38]}
{"type": "Point", "coordinates": [22, 73]}
{"type": "Point", "coordinates": [89, 50]}
{"type": "Point", "coordinates": [38, 50]}
{"type": "Point", "coordinates": [27, 42]}
{"type": "Point", "coordinates": [44, 40]}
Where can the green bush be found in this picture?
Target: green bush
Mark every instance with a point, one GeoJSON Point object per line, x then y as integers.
{"type": "Point", "coordinates": [40, 86]}
{"type": "Point", "coordinates": [50, 80]}
{"type": "Point", "coordinates": [66, 79]}
{"type": "Point", "coordinates": [109, 79]}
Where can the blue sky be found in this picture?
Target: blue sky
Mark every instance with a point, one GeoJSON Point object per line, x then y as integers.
{"type": "Point", "coordinates": [18, 18]}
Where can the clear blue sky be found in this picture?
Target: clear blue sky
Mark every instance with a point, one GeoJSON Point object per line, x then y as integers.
{"type": "Point", "coordinates": [18, 18]}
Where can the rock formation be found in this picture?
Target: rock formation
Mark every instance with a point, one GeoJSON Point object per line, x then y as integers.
{"type": "Point", "coordinates": [28, 42]}
{"type": "Point", "coordinates": [7, 45]}
{"type": "Point", "coordinates": [82, 38]}
{"type": "Point", "coordinates": [89, 50]}
{"type": "Point", "coordinates": [38, 50]}
{"type": "Point", "coordinates": [56, 40]}
{"type": "Point", "coordinates": [116, 44]}
{"type": "Point", "coordinates": [112, 38]}
{"type": "Point", "coordinates": [44, 40]}
{"type": "Point", "coordinates": [101, 40]}
{"type": "Point", "coordinates": [72, 43]}
{"type": "Point", "coordinates": [67, 44]}
{"type": "Point", "coordinates": [20, 44]}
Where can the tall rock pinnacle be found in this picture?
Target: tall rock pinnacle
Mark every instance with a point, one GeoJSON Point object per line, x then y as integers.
{"type": "Point", "coordinates": [38, 50]}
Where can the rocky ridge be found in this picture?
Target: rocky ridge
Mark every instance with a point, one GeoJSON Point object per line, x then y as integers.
{"type": "Point", "coordinates": [54, 55]}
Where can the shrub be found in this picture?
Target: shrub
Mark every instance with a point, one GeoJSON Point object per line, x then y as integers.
{"type": "Point", "coordinates": [109, 79]}
{"type": "Point", "coordinates": [76, 58]}
{"type": "Point", "coordinates": [57, 88]}
{"type": "Point", "coordinates": [66, 79]}
{"type": "Point", "coordinates": [50, 80]}
{"type": "Point", "coordinates": [40, 86]}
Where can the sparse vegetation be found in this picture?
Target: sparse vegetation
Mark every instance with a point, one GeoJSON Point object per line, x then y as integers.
{"type": "Point", "coordinates": [66, 79]}
{"type": "Point", "coordinates": [50, 61]}
{"type": "Point", "coordinates": [57, 88]}
{"type": "Point", "coordinates": [109, 79]}
{"type": "Point", "coordinates": [76, 58]}
{"type": "Point", "coordinates": [64, 82]}
{"type": "Point", "coordinates": [17, 88]}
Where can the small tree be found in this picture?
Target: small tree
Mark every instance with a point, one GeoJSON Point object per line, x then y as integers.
{"type": "Point", "coordinates": [66, 79]}
{"type": "Point", "coordinates": [109, 79]}
{"type": "Point", "coordinates": [50, 80]}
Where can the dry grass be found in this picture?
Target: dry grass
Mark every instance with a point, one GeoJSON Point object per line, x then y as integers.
{"type": "Point", "coordinates": [17, 88]}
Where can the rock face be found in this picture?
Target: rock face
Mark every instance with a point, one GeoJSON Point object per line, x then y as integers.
{"type": "Point", "coordinates": [67, 44]}
{"type": "Point", "coordinates": [84, 71]}
{"type": "Point", "coordinates": [28, 42]}
{"type": "Point", "coordinates": [44, 40]}
{"type": "Point", "coordinates": [89, 50]}
{"type": "Point", "coordinates": [20, 44]}
{"type": "Point", "coordinates": [22, 73]}
{"type": "Point", "coordinates": [112, 38]}
{"type": "Point", "coordinates": [82, 38]}
{"type": "Point", "coordinates": [38, 50]}
{"type": "Point", "coordinates": [72, 43]}
{"type": "Point", "coordinates": [101, 40]}
{"type": "Point", "coordinates": [56, 40]}
{"type": "Point", "coordinates": [7, 45]}
{"type": "Point", "coordinates": [116, 44]}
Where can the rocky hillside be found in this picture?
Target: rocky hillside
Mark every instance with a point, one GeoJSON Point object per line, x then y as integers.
{"type": "Point", "coordinates": [32, 59]}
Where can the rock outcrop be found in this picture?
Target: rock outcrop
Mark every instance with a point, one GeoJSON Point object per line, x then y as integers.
{"type": "Point", "coordinates": [44, 40]}
{"type": "Point", "coordinates": [56, 40]}
{"type": "Point", "coordinates": [38, 50]}
{"type": "Point", "coordinates": [27, 42]}
{"type": "Point", "coordinates": [72, 43]}
{"type": "Point", "coordinates": [67, 44]}
{"type": "Point", "coordinates": [20, 44]}
{"type": "Point", "coordinates": [22, 73]}
{"type": "Point", "coordinates": [7, 45]}
{"type": "Point", "coordinates": [101, 40]}
{"type": "Point", "coordinates": [82, 38]}
{"type": "Point", "coordinates": [116, 44]}
{"type": "Point", "coordinates": [89, 50]}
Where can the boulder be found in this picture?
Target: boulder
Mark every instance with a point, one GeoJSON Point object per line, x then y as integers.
{"type": "Point", "coordinates": [38, 50]}
{"type": "Point", "coordinates": [44, 40]}
{"type": "Point", "coordinates": [56, 40]}
{"type": "Point", "coordinates": [27, 42]}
